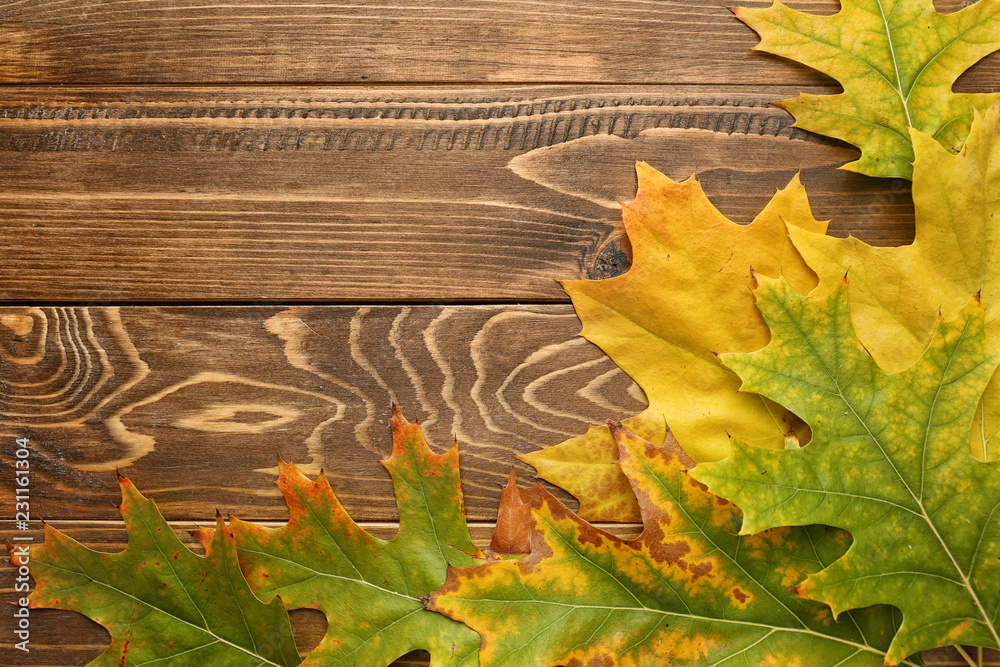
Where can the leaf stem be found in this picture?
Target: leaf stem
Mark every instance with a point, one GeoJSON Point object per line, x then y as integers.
{"type": "Point", "coordinates": [968, 658]}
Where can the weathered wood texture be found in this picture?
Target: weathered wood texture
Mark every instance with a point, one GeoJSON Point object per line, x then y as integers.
{"type": "Point", "coordinates": [374, 194]}
{"type": "Point", "coordinates": [66, 638]}
{"type": "Point", "coordinates": [367, 41]}
{"type": "Point", "coordinates": [194, 404]}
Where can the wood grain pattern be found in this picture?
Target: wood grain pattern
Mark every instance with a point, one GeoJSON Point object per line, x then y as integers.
{"type": "Point", "coordinates": [194, 404]}
{"type": "Point", "coordinates": [603, 41]}
{"type": "Point", "coordinates": [66, 638]}
{"type": "Point", "coordinates": [387, 195]}
{"type": "Point", "coordinates": [242, 152]}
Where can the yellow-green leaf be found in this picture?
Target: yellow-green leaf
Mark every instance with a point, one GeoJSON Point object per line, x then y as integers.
{"type": "Point", "coordinates": [685, 299]}
{"type": "Point", "coordinates": [897, 294]}
{"type": "Point", "coordinates": [686, 592]}
{"type": "Point", "coordinates": [897, 61]}
{"type": "Point", "coordinates": [889, 462]}
{"type": "Point", "coordinates": [162, 603]}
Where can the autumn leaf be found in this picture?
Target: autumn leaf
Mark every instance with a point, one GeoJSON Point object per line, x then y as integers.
{"type": "Point", "coordinates": [896, 60]}
{"type": "Point", "coordinates": [685, 298]}
{"type": "Point", "coordinates": [370, 589]}
{"type": "Point", "coordinates": [512, 533]}
{"type": "Point", "coordinates": [161, 602]}
{"type": "Point", "coordinates": [889, 462]}
{"type": "Point", "coordinates": [688, 591]}
{"type": "Point", "coordinates": [896, 295]}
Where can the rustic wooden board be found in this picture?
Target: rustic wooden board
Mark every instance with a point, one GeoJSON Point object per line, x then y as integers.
{"type": "Point", "coordinates": [366, 41]}
{"type": "Point", "coordinates": [194, 404]}
{"type": "Point", "coordinates": [66, 638]}
{"type": "Point", "coordinates": [375, 194]}
{"type": "Point", "coordinates": [250, 158]}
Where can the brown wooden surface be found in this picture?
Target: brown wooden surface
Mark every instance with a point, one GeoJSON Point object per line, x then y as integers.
{"type": "Point", "coordinates": [379, 194]}
{"type": "Point", "coordinates": [367, 41]}
{"type": "Point", "coordinates": [326, 158]}
{"type": "Point", "coordinates": [177, 396]}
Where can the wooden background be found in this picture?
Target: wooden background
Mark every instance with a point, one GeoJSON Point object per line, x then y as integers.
{"type": "Point", "coordinates": [236, 229]}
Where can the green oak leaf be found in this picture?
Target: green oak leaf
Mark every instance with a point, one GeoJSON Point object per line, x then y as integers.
{"type": "Point", "coordinates": [897, 61]}
{"type": "Point", "coordinates": [162, 603]}
{"type": "Point", "coordinates": [370, 589]}
{"type": "Point", "coordinates": [688, 591]}
{"type": "Point", "coordinates": [889, 462]}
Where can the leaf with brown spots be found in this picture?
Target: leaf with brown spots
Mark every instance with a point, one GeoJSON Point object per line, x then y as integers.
{"type": "Point", "coordinates": [687, 591]}
{"type": "Point", "coordinates": [161, 603]}
{"type": "Point", "coordinates": [889, 462]}
{"type": "Point", "coordinates": [512, 534]}
{"type": "Point", "coordinates": [370, 589]}
{"type": "Point", "coordinates": [686, 298]}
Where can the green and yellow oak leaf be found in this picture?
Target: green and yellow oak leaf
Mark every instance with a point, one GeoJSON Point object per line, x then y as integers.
{"type": "Point", "coordinates": [369, 589]}
{"type": "Point", "coordinates": [688, 591]}
{"type": "Point", "coordinates": [889, 462]}
{"type": "Point", "coordinates": [162, 603]}
{"type": "Point", "coordinates": [686, 298]}
{"type": "Point", "coordinates": [896, 295]}
{"type": "Point", "coordinates": [897, 61]}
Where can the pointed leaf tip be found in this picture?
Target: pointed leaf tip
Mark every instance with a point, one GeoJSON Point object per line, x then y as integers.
{"type": "Point", "coordinates": [512, 533]}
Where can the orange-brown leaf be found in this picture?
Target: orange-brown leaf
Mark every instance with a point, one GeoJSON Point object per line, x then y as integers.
{"type": "Point", "coordinates": [512, 534]}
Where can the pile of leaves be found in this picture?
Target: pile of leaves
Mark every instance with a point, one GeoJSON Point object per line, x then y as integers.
{"type": "Point", "coordinates": [814, 472]}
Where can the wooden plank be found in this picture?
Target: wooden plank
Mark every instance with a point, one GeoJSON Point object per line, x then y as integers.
{"type": "Point", "coordinates": [66, 638]}
{"type": "Point", "coordinates": [376, 194]}
{"type": "Point", "coordinates": [368, 41]}
{"type": "Point", "coordinates": [195, 404]}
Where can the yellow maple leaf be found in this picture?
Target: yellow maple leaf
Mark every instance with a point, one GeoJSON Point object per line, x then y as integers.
{"type": "Point", "coordinates": [685, 299]}
{"type": "Point", "coordinates": [897, 294]}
